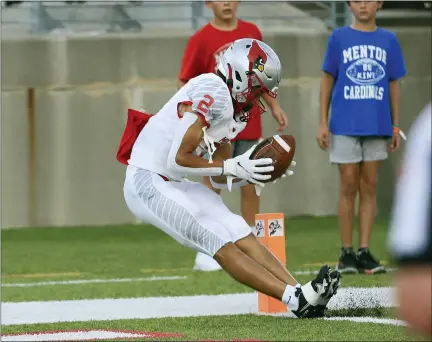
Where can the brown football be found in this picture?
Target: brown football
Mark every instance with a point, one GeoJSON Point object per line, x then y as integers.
{"type": "Point", "coordinates": [280, 148]}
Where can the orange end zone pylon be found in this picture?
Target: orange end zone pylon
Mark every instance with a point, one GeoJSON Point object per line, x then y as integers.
{"type": "Point", "coordinates": [270, 231]}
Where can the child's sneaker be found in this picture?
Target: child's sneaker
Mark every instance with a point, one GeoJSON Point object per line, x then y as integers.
{"type": "Point", "coordinates": [367, 264]}
{"type": "Point", "coordinates": [347, 262]}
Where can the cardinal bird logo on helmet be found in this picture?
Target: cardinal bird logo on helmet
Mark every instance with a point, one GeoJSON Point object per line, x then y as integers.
{"type": "Point", "coordinates": [257, 57]}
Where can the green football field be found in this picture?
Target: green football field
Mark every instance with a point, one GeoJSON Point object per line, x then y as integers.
{"type": "Point", "coordinates": [134, 278]}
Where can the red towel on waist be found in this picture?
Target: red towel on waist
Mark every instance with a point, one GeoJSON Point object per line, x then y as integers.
{"type": "Point", "coordinates": [135, 123]}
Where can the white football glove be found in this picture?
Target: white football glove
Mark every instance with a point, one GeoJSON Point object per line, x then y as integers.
{"type": "Point", "coordinates": [259, 187]}
{"type": "Point", "coordinates": [247, 169]}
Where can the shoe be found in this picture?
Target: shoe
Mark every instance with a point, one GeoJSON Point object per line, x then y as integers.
{"type": "Point", "coordinates": [206, 263]}
{"type": "Point", "coordinates": [314, 296]}
{"type": "Point", "coordinates": [367, 264]}
{"type": "Point", "coordinates": [347, 263]}
{"type": "Point", "coordinates": [305, 309]}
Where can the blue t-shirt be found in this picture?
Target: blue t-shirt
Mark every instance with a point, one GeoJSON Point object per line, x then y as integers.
{"type": "Point", "coordinates": [362, 64]}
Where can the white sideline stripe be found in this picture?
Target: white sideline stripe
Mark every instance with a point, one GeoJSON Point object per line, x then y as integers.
{"type": "Point", "coordinates": [161, 307]}
{"type": "Point", "coordinates": [368, 320]}
{"type": "Point", "coordinates": [93, 281]}
{"type": "Point", "coordinates": [74, 336]}
{"type": "Point", "coordinates": [365, 319]}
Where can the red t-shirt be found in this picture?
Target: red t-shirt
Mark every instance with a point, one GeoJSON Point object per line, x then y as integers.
{"type": "Point", "coordinates": [202, 53]}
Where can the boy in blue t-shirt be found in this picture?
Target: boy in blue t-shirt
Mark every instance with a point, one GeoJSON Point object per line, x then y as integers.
{"type": "Point", "coordinates": [361, 68]}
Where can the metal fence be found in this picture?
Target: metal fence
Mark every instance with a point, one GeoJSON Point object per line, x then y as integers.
{"type": "Point", "coordinates": [43, 17]}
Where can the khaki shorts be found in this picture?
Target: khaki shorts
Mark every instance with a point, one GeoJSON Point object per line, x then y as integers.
{"type": "Point", "coordinates": [348, 149]}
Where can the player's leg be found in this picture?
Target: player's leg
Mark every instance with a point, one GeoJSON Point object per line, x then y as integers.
{"type": "Point", "coordinates": [232, 259]}
{"type": "Point", "coordinates": [171, 207]}
{"type": "Point", "coordinates": [239, 231]}
{"type": "Point", "coordinates": [374, 152]}
{"type": "Point", "coordinates": [346, 153]}
{"type": "Point", "coordinates": [203, 262]}
{"type": "Point", "coordinates": [249, 207]}
{"type": "Point", "coordinates": [161, 204]}
{"type": "Point", "coordinates": [246, 271]}
{"type": "Point", "coordinates": [260, 254]}
{"type": "Point", "coordinates": [249, 201]}
{"type": "Point", "coordinates": [307, 301]}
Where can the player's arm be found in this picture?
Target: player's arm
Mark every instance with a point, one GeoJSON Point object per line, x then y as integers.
{"type": "Point", "coordinates": [224, 152]}
{"type": "Point", "coordinates": [209, 102]}
{"type": "Point", "coordinates": [186, 141]}
{"type": "Point", "coordinates": [181, 157]}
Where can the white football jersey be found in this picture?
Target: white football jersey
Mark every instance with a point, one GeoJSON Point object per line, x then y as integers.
{"type": "Point", "coordinates": [210, 98]}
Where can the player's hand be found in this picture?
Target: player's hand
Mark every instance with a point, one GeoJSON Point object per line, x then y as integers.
{"type": "Point", "coordinates": [287, 172]}
{"type": "Point", "coordinates": [260, 187]}
{"type": "Point", "coordinates": [395, 142]}
{"type": "Point", "coordinates": [323, 137]}
{"type": "Point", "coordinates": [251, 170]}
{"type": "Point", "coordinates": [280, 117]}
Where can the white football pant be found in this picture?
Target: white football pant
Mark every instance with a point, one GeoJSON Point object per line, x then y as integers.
{"type": "Point", "coordinates": [187, 211]}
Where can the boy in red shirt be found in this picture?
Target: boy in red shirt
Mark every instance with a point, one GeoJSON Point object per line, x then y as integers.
{"type": "Point", "coordinates": [201, 56]}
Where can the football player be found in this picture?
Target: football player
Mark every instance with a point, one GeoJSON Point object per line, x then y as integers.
{"type": "Point", "coordinates": [201, 118]}
{"type": "Point", "coordinates": [201, 55]}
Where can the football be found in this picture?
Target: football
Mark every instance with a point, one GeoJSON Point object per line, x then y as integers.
{"type": "Point", "coordinates": [280, 148]}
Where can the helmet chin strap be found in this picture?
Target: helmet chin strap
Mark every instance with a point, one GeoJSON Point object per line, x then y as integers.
{"type": "Point", "coordinates": [230, 84]}
{"type": "Point", "coordinates": [230, 81]}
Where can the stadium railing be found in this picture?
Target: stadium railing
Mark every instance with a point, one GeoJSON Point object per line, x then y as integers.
{"type": "Point", "coordinates": [44, 17]}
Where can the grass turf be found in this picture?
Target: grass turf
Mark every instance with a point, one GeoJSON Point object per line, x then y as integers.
{"type": "Point", "coordinates": [242, 327]}
{"type": "Point", "coordinates": [124, 251]}
{"type": "Point", "coordinates": [43, 254]}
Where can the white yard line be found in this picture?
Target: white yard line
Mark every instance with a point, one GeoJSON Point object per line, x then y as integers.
{"type": "Point", "coordinates": [160, 307]}
{"type": "Point", "coordinates": [93, 281]}
{"type": "Point", "coordinates": [90, 335]}
{"type": "Point", "coordinates": [368, 320]}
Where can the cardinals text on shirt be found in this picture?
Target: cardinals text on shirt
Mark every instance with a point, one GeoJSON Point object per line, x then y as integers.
{"type": "Point", "coordinates": [366, 69]}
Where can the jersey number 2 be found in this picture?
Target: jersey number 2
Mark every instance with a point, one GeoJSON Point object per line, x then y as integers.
{"type": "Point", "coordinates": [204, 105]}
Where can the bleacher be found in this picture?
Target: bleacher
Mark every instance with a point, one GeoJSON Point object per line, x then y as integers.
{"type": "Point", "coordinates": [405, 13]}
{"type": "Point", "coordinates": [163, 17]}
{"type": "Point", "coordinates": [151, 17]}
